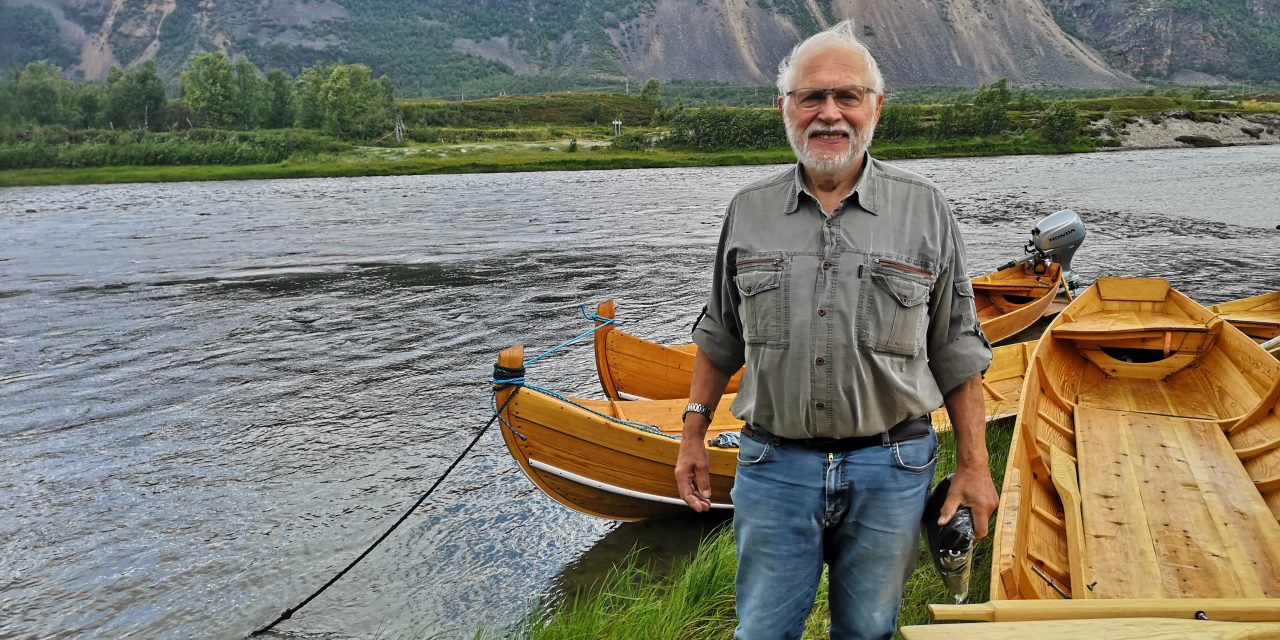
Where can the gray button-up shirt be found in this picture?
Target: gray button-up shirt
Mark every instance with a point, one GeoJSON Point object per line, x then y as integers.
{"type": "Point", "coordinates": [847, 325]}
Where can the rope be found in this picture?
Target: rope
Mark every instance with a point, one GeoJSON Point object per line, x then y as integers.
{"type": "Point", "coordinates": [288, 613]}
{"type": "Point", "coordinates": [594, 317]}
{"type": "Point", "coordinates": [501, 377]}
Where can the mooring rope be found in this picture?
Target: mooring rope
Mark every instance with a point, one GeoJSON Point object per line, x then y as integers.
{"type": "Point", "coordinates": [517, 380]}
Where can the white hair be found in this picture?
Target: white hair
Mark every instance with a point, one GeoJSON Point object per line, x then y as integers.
{"type": "Point", "coordinates": [842, 35]}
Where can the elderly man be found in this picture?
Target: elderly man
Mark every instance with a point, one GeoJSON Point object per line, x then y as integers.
{"type": "Point", "coordinates": [841, 285]}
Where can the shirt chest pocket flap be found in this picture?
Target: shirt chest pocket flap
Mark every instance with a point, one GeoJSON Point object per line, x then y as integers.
{"type": "Point", "coordinates": [761, 291]}
{"type": "Point", "coordinates": [896, 312]}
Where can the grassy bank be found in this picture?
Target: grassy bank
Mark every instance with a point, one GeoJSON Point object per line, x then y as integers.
{"type": "Point", "coordinates": [510, 157]}
{"type": "Point", "coordinates": [696, 602]}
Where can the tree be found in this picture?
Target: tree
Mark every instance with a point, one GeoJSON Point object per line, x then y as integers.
{"type": "Point", "coordinates": [41, 95]}
{"type": "Point", "coordinates": [652, 92]}
{"type": "Point", "coordinates": [1058, 123]}
{"type": "Point", "coordinates": [354, 104]}
{"type": "Point", "coordinates": [252, 98]}
{"type": "Point", "coordinates": [208, 89]}
{"type": "Point", "coordinates": [135, 98]}
{"type": "Point", "coordinates": [280, 111]}
{"type": "Point", "coordinates": [306, 96]}
{"type": "Point", "coordinates": [595, 112]}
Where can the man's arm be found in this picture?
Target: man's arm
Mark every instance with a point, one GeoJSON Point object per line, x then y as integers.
{"type": "Point", "coordinates": [972, 485]}
{"type": "Point", "coordinates": [693, 477]}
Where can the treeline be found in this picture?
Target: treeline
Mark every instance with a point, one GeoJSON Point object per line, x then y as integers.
{"type": "Point", "coordinates": [343, 100]}
{"type": "Point", "coordinates": [40, 111]}
{"type": "Point", "coordinates": [984, 113]}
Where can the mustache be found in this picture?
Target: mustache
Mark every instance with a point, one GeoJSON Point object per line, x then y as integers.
{"type": "Point", "coordinates": [819, 129]}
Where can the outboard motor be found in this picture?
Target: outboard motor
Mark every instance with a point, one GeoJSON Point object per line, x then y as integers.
{"type": "Point", "coordinates": [1055, 239]}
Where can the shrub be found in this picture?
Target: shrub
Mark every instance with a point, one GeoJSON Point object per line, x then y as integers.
{"type": "Point", "coordinates": [715, 128]}
{"type": "Point", "coordinates": [1059, 123]}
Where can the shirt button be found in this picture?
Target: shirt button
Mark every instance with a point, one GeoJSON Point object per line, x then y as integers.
{"type": "Point", "coordinates": [822, 405]}
{"type": "Point", "coordinates": [826, 265]}
{"type": "Point", "coordinates": [820, 361]}
{"type": "Point", "coordinates": [822, 312]}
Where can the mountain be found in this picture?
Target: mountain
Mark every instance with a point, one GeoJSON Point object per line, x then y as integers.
{"type": "Point", "coordinates": [1190, 41]}
{"type": "Point", "coordinates": [433, 47]}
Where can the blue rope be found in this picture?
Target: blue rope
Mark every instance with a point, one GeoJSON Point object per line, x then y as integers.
{"type": "Point", "coordinates": [594, 317]}
{"type": "Point", "coordinates": [520, 382]}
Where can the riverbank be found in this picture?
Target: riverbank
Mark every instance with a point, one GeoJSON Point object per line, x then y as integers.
{"type": "Point", "coordinates": [514, 157]}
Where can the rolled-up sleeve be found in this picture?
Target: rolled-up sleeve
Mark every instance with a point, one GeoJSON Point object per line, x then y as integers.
{"type": "Point", "coordinates": [718, 332]}
{"type": "Point", "coordinates": [957, 347]}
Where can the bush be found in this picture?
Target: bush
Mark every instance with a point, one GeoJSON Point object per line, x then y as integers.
{"type": "Point", "coordinates": [97, 148]}
{"type": "Point", "coordinates": [634, 141]}
{"type": "Point", "coordinates": [1059, 123]}
{"type": "Point", "coordinates": [716, 128]}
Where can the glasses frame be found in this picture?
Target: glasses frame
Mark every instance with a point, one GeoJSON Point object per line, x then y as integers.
{"type": "Point", "coordinates": [830, 92]}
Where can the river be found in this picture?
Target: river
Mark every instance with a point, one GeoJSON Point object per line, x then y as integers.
{"type": "Point", "coordinates": [214, 395]}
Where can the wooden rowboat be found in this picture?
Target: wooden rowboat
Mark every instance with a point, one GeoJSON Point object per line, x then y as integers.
{"type": "Point", "coordinates": [582, 454]}
{"type": "Point", "coordinates": [1258, 317]}
{"type": "Point", "coordinates": [1012, 299]}
{"type": "Point", "coordinates": [1109, 628]}
{"type": "Point", "coordinates": [634, 368]}
{"type": "Point", "coordinates": [1145, 461]}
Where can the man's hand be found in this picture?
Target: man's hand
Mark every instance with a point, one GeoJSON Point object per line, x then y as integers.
{"type": "Point", "coordinates": [972, 485]}
{"type": "Point", "coordinates": [973, 488]}
{"type": "Point", "coordinates": [692, 475]}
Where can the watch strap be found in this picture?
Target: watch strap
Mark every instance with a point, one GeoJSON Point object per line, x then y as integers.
{"type": "Point", "coordinates": [696, 407]}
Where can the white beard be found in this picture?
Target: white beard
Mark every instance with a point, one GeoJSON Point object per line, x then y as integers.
{"type": "Point", "coordinates": [859, 141]}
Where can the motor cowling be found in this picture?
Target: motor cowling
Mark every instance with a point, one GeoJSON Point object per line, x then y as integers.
{"type": "Point", "coordinates": [1055, 239]}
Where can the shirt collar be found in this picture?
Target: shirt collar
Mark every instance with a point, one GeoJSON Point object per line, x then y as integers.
{"type": "Point", "coordinates": [864, 188]}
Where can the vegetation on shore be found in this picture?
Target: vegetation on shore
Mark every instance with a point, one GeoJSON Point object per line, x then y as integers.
{"type": "Point", "coordinates": [696, 601]}
{"type": "Point", "coordinates": [336, 120]}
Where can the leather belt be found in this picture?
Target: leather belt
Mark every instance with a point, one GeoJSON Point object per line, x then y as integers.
{"type": "Point", "coordinates": [906, 430]}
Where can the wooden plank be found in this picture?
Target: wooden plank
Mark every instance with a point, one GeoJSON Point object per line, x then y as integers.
{"type": "Point", "coordinates": [1120, 553]}
{"type": "Point", "coordinates": [1244, 521]}
{"type": "Point", "coordinates": [1193, 555]}
{"type": "Point", "coordinates": [1138, 289]}
{"type": "Point", "coordinates": [1225, 609]}
{"type": "Point", "coordinates": [1065, 480]}
{"type": "Point", "coordinates": [1112, 629]}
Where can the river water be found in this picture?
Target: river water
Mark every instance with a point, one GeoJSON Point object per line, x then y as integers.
{"type": "Point", "coordinates": [214, 395]}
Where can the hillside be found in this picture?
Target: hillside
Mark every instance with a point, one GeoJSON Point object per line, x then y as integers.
{"type": "Point", "coordinates": [439, 47]}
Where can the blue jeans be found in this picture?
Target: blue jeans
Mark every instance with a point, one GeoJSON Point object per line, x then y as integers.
{"type": "Point", "coordinates": [857, 511]}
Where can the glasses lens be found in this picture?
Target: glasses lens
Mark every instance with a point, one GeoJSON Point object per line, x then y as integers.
{"type": "Point", "coordinates": [810, 98]}
{"type": "Point", "coordinates": [848, 97]}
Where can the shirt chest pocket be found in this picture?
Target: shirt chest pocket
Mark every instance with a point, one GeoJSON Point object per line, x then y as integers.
{"type": "Point", "coordinates": [895, 310]}
{"type": "Point", "coordinates": [762, 289]}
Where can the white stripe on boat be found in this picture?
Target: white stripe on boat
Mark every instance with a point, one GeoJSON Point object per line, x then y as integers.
{"type": "Point", "coordinates": [596, 484]}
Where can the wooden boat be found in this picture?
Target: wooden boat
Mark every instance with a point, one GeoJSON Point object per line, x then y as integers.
{"type": "Point", "coordinates": [1109, 628]}
{"type": "Point", "coordinates": [1012, 299]}
{"type": "Point", "coordinates": [1145, 461]}
{"type": "Point", "coordinates": [1258, 317]}
{"type": "Point", "coordinates": [634, 368]}
{"type": "Point", "coordinates": [582, 454]}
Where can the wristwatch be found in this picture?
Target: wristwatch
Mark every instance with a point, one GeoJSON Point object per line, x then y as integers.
{"type": "Point", "coordinates": [696, 407]}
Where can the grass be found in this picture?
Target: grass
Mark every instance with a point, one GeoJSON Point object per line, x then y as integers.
{"type": "Point", "coordinates": [696, 601]}
{"type": "Point", "coordinates": [509, 156]}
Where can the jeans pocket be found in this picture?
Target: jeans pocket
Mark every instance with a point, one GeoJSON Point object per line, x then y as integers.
{"type": "Point", "coordinates": [917, 455]}
{"type": "Point", "coordinates": [752, 451]}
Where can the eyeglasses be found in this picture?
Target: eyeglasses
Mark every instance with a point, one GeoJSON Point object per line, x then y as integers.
{"type": "Point", "coordinates": [850, 96]}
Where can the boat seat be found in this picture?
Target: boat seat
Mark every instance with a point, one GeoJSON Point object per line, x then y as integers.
{"type": "Point", "coordinates": [1126, 324]}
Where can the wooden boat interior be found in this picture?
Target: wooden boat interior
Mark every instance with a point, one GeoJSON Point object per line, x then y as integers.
{"type": "Point", "coordinates": [1012, 299]}
{"type": "Point", "coordinates": [1146, 457]}
{"type": "Point", "coordinates": [1258, 316]}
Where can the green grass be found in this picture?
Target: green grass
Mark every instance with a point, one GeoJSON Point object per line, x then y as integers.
{"type": "Point", "coordinates": [696, 601]}
{"type": "Point", "coordinates": [501, 157]}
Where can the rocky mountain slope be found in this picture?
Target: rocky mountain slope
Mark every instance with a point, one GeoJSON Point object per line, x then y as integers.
{"type": "Point", "coordinates": [429, 46]}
